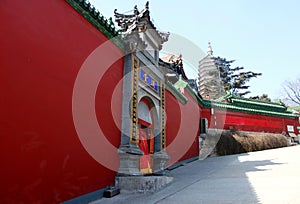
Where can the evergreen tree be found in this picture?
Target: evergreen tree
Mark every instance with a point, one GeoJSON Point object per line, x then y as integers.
{"type": "Point", "coordinates": [263, 97]}
{"type": "Point", "coordinates": [234, 79]}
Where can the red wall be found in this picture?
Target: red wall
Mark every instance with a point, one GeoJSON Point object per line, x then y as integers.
{"type": "Point", "coordinates": [43, 45]}
{"type": "Point", "coordinates": [182, 128]}
{"type": "Point", "coordinates": [247, 122]}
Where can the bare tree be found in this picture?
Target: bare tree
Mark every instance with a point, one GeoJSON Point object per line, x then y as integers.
{"type": "Point", "coordinates": [292, 90]}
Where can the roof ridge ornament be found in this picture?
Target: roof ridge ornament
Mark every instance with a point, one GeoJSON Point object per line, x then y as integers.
{"type": "Point", "coordinates": [147, 5]}
{"type": "Point", "coordinates": [135, 10]}
{"type": "Point", "coordinates": [164, 35]}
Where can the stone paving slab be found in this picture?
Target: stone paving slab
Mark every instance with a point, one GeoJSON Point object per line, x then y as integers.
{"type": "Point", "coordinates": [270, 176]}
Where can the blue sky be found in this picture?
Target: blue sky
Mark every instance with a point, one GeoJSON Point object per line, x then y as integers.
{"type": "Point", "coordinates": [261, 35]}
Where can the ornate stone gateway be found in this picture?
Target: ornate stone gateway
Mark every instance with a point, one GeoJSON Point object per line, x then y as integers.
{"type": "Point", "coordinates": [142, 149]}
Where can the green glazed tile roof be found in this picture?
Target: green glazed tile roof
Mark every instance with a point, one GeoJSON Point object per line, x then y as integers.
{"type": "Point", "coordinates": [105, 26]}
{"type": "Point", "coordinates": [244, 105]}
{"type": "Point", "coordinates": [256, 104]}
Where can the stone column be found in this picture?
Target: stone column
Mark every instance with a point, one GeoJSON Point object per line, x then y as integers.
{"type": "Point", "coordinates": [129, 152]}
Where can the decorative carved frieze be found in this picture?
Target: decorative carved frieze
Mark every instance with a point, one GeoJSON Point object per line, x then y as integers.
{"type": "Point", "coordinates": [163, 116]}
{"type": "Point", "coordinates": [134, 101]}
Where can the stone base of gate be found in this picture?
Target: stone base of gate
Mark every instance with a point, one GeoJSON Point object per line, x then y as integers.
{"type": "Point", "coordinates": [142, 184]}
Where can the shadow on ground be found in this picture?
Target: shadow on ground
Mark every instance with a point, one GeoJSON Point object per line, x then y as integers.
{"type": "Point", "coordinates": [213, 180]}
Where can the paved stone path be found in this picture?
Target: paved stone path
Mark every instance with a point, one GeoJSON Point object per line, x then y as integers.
{"type": "Point", "coordinates": [271, 176]}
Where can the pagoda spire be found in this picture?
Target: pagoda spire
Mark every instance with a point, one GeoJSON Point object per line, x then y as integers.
{"type": "Point", "coordinates": [209, 49]}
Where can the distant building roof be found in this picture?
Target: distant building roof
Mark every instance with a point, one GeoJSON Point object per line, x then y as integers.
{"type": "Point", "coordinates": [174, 64]}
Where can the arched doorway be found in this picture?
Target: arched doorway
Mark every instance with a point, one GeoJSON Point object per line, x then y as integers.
{"type": "Point", "coordinates": [146, 123]}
